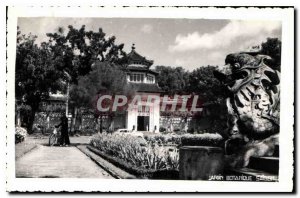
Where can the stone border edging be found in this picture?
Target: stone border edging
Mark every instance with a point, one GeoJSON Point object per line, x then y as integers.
{"type": "Point", "coordinates": [106, 165]}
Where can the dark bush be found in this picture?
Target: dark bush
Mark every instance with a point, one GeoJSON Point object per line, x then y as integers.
{"type": "Point", "coordinates": [162, 129]}
{"type": "Point", "coordinates": [20, 134]}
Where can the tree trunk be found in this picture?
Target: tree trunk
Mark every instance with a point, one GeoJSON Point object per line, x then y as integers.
{"type": "Point", "coordinates": [31, 120]}
{"type": "Point", "coordinates": [80, 121]}
{"type": "Point", "coordinates": [101, 124]}
{"type": "Point", "coordinates": [73, 125]}
{"type": "Point", "coordinates": [18, 120]}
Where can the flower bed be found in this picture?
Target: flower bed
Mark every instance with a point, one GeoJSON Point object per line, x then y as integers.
{"type": "Point", "coordinates": [137, 171]}
{"type": "Point", "coordinates": [154, 157]}
{"type": "Point", "coordinates": [20, 134]}
{"type": "Point", "coordinates": [135, 155]}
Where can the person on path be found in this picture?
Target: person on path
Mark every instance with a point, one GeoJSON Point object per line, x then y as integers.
{"type": "Point", "coordinates": [64, 140]}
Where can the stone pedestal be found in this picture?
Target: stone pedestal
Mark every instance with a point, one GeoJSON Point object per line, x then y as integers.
{"type": "Point", "coordinates": [200, 162]}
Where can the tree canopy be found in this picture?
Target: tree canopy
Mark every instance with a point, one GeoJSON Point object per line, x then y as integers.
{"type": "Point", "coordinates": [203, 83]}
{"type": "Point", "coordinates": [45, 68]}
{"type": "Point", "coordinates": [35, 75]}
{"type": "Point", "coordinates": [272, 48]}
{"type": "Point", "coordinates": [105, 78]}
{"type": "Point", "coordinates": [77, 50]}
{"type": "Point", "coordinates": [172, 80]}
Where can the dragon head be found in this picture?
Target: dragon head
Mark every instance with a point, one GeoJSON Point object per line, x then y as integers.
{"type": "Point", "coordinates": [239, 69]}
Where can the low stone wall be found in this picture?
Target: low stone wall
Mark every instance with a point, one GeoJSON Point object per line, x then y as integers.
{"type": "Point", "coordinates": [200, 162]}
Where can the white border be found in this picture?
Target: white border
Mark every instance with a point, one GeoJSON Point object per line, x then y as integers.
{"type": "Point", "coordinates": [286, 16]}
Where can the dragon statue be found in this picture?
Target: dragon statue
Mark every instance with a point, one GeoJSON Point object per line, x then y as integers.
{"type": "Point", "coordinates": [253, 106]}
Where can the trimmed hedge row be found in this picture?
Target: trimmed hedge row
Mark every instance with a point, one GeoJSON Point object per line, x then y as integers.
{"type": "Point", "coordinates": [206, 139]}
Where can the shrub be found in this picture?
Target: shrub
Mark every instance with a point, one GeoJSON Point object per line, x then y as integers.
{"type": "Point", "coordinates": [83, 132]}
{"type": "Point", "coordinates": [88, 132]}
{"type": "Point", "coordinates": [162, 129]}
{"type": "Point", "coordinates": [131, 150]}
{"type": "Point", "coordinates": [162, 138]}
{"type": "Point", "coordinates": [20, 134]}
{"type": "Point", "coordinates": [176, 130]}
{"type": "Point", "coordinates": [205, 139]}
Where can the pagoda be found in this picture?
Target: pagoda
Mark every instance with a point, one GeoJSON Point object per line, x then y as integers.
{"type": "Point", "coordinates": [142, 80]}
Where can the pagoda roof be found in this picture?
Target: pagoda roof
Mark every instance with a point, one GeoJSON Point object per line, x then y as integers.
{"type": "Point", "coordinates": [133, 56]}
{"type": "Point", "coordinates": [133, 68]}
{"type": "Point", "coordinates": [144, 87]}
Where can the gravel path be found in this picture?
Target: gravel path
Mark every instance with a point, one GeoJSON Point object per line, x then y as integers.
{"type": "Point", "coordinates": [54, 162]}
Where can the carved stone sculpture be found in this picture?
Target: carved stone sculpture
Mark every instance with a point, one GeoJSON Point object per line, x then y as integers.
{"type": "Point", "coordinates": [253, 106]}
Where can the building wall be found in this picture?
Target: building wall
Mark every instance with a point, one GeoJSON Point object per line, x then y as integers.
{"type": "Point", "coordinates": [131, 119]}
{"type": "Point", "coordinates": [154, 115]}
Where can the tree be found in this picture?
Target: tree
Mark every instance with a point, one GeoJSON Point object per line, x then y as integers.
{"type": "Point", "coordinates": [272, 48]}
{"type": "Point", "coordinates": [172, 80]}
{"type": "Point", "coordinates": [35, 75]}
{"type": "Point", "coordinates": [105, 78]}
{"type": "Point", "coordinates": [76, 51]}
{"type": "Point", "coordinates": [212, 94]}
{"type": "Point", "coordinates": [203, 83]}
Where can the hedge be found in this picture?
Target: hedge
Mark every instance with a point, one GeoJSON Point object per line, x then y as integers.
{"type": "Point", "coordinates": [205, 139]}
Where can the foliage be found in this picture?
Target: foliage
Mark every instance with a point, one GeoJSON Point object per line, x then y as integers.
{"type": "Point", "coordinates": [104, 77]}
{"type": "Point", "coordinates": [77, 50]}
{"type": "Point", "coordinates": [200, 81]}
{"type": "Point", "coordinates": [205, 139]}
{"type": "Point", "coordinates": [84, 132]}
{"type": "Point", "coordinates": [148, 156]}
{"type": "Point", "coordinates": [36, 75]}
{"type": "Point", "coordinates": [272, 48]}
{"type": "Point", "coordinates": [162, 139]}
{"type": "Point", "coordinates": [48, 67]}
{"type": "Point", "coordinates": [136, 151]}
{"type": "Point", "coordinates": [203, 83]}
{"type": "Point", "coordinates": [20, 134]}
{"type": "Point", "coordinates": [172, 80]}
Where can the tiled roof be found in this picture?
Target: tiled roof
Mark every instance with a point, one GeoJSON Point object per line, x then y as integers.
{"type": "Point", "coordinates": [137, 68]}
{"type": "Point", "coordinates": [145, 87]}
{"type": "Point", "coordinates": [134, 56]}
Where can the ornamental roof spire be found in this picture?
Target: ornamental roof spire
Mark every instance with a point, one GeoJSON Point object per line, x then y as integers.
{"type": "Point", "coordinates": [136, 58]}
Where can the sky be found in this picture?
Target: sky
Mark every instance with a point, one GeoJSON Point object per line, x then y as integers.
{"type": "Point", "coordinates": [189, 43]}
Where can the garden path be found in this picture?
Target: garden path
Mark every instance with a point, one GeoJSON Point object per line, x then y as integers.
{"type": "Point", "coordinates": [54, 162]}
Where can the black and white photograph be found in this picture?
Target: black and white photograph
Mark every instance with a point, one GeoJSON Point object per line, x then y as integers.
{"type": "Point", "coordinates": [126, 97]}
